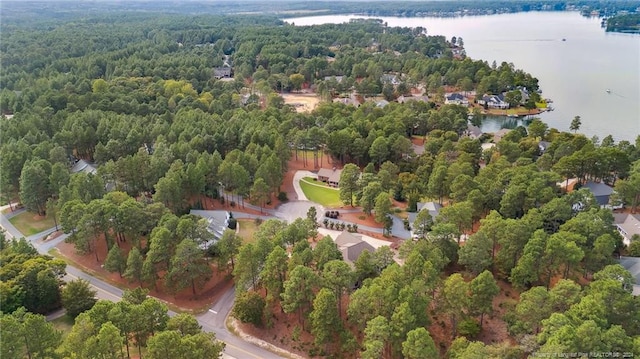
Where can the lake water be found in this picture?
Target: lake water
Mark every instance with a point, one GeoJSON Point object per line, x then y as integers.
{"type": "Point", "coordinates": [574, 73]}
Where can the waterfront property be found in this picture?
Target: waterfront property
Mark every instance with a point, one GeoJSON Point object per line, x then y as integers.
{"type": "Point", "coordinates": [493, 101]}
{"type": "Point", "coordinates": [498, 135]}
{"type": "Point", "coordinates": [473, 132]}
{"type": "Point", "coordinates": [456, 99]}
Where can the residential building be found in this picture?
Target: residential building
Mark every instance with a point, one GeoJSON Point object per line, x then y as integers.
{"type": "Point", "coordinates": [351, 245]}
{"type": "Point", "coordinates": [84, 166]}
{"type": "Point", "coordinates": [417, 149]}
{"type": "Point", "coordinates": [627, 225]}
{"type": "Point", "coordinates": [222, 72]}
{"type": "Point", "coordinates": [493, 101]}
{"type": "Point", "coordinates": [601, 191]}
{"type": "Point", "coordinates": [543, 146]}
{"type": "Point", "coordinates": [524, 93]}
{"type": "Point", "coordinates": [498, 135]}
{"type": "Point", "coordinates": [390, 79]}
{"type": "Point", "coordinates": [352, 100]}
{"type": "Point", "coordinates": [473, 132]}
{"type": "Point", "coordinates": [456, 99]}
{"type": "Point", "coordinates": [382, 103]}
{"type": "Point", "coordinates": [432, 207]}
{"type": "Point", "coordinates": [338, 79]}
{"type": "Point", "coordinates": [330, 176]}
{"type": "Point", "coordinates": [405, 99]}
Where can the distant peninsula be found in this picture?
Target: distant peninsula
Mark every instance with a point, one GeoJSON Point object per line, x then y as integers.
{"type": "Point", "coordinates": [629, 23]}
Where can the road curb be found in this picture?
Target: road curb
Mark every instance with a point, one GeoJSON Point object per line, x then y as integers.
{"type": "Point", "coordinates": [232, 324]}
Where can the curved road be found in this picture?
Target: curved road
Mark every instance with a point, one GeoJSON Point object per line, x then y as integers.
{"type": "Point", "coordinates": [214, 320]}
{"type": "Point", "coordinates": [211, 321]}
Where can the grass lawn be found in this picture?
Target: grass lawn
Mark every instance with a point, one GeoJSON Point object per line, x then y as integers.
{"type": "Point", "coordinates": [29, 224]}
{"type": "Point", "coordinates": [326, 196]}
{"type": "Point", "coordinates": [319, 183]}
{"type": "Point", "coordinates": [541, 104]}
{"type": "Point", "coordinates": [247, 228]}
{"type": "Point", "coordinates": [64, 324]}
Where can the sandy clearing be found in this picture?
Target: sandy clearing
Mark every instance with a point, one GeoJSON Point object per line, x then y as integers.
{"type": "Point", "coordinates": [301, 102]}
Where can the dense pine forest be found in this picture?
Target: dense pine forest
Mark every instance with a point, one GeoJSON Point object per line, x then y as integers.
{"type": "Point", "coordinates": [172, 108]}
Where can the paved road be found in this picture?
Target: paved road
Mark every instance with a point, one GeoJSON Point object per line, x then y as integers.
{"type": "Point", "coordinates": [10, 230]}
{"type": "Point", "coordinates": [211, 321]}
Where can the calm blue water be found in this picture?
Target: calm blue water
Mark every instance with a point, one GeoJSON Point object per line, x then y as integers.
{"type": "Point", "coordinates": [574, 73]}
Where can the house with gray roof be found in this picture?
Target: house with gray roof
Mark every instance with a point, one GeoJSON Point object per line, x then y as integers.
{"type": "Point", "coordinates": [351, 100]}
{"type": "Point", "coordinates": [382, 103]}
{"type": "Point", "coordinates": [543, 146]}
{"type": "Point", "coordinates": [390, 79]}
{"type": "Point", "coordinates": [405, 99]}
{"type": "Point", "coordinates": [351, 246]}
{"type": "Point", "coordinates": [473, 132]}
{"type": "Point", "coordinates": [494, 101]}
{"type": "Point", "coordinates": [601, 191]}
{"type": "Point", "coordinates": [222, 72]}
{"type": "Point", "coordinates": [498, 135]}
{"type": "Point", "coordinates": [456, 99]}
{"type": "Point", "coordinates": [338, 79]}
{"type": "Point", "coordinates": [632, 264]}
{"type": "Point", "coordinates": [432, 207]}
{"type": "Point", "coordinates": [627, 225]}
{"type": "Point", "coordinates": [84, 166]}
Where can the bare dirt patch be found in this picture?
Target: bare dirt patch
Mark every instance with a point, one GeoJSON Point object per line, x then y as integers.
{"type": "Point", "coordinates": [494, 328]}
{"type": "Point", "coordinates": [302, 102]}
{"type": "Point", "coordinates": [285, 330]}
{"type": "Point", "coordinates": [184, 300]}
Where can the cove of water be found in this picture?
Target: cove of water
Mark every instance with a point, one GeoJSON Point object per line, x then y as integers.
{"type": "Point", "coordinates": [574, 59]}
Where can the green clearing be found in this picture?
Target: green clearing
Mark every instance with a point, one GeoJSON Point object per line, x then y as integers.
{"type": "Point", "coordinates": [326, 196]}
{"type": "Point", "coordinates": [63, 324]}
{"type": "Point", "coordinates": [247, 228]}
{"type": "Point", "coordinates": [29, 224]}
{"type": "Point", "coordinates": [319, 183]}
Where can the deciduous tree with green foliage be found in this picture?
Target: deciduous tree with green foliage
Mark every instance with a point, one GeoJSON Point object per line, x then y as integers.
{"type": "Point", "coordinates": [34, 185]}
{"type": "Point", "coordinates": [249, 307]}
{"type": "Point", "coordinates": [228, 246]}
{"type": "Point", "coordinates": [185, 323]}
{"type": "Point", "coordinates": [77, 296]}
{"type": "Point", "coordinates": [32, 336]}
{"type": "Point", "coordinates": [325, 251]}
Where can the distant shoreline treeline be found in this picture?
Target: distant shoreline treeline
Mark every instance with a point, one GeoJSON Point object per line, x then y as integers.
{"type": "Point", "coordinates": [285, 8]}
{"type": "Point", "coordinates": [627, 23]}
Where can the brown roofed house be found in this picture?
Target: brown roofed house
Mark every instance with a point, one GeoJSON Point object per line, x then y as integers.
{"type": "Point", "coordinates": [330, 176]}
